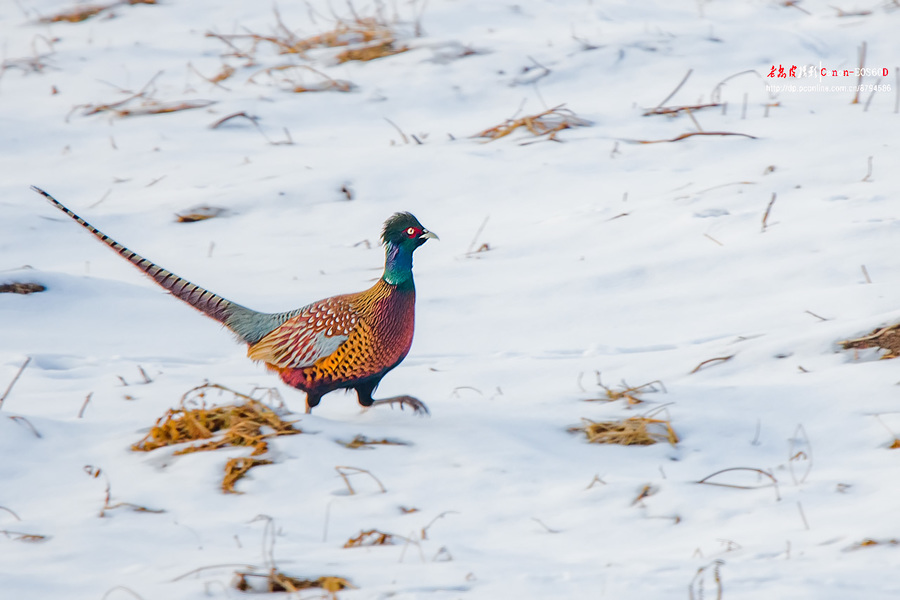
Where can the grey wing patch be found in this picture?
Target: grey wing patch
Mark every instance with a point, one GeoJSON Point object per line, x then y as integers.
{"type": "Point", "coordinates": [319, 346]}
{"type": "Point", "coordinates": [308, 335]}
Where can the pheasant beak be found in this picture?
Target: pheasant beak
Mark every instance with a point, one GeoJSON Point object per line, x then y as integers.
{"type": "Point", "coordinates": [428, 235]}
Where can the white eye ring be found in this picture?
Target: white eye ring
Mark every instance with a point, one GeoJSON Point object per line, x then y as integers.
{"type": "Point", "coordinates": [410, 231]}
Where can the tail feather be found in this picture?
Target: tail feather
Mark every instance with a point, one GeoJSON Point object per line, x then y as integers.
{"type": "Point", "coordinates": [249, 325]}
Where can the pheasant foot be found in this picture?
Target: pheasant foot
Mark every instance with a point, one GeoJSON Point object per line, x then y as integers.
{"type": "Point", "coordinates": [418, 407]}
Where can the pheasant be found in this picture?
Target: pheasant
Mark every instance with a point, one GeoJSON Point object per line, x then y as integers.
{"type": "Point", "coordinates": [349, 341]}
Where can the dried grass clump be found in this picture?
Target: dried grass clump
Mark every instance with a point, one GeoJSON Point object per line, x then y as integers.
{"type": "Point", "coordinates": [236, 468]}
{"type": "Point", "coordinates": [21, 288]}
{"type": "Point", "coordinates": [346, 32]}
{"type": "Point", "coordinates": [147, 107]}
{"type": "Point", "coordinates": [224, 74]}
{"type": "Point", "coordinates": [631, 394]}
{"type": "Point", "coordinates": [546, 124]}
{"type": "Point", "coordinates": [365, 38]}
{"type": "Point", "coordinates": [361, 441]}
{"type": "Point", "coordinates": [275, 581]}
{"type": "Point", "coordinates": [633, 431]}
{"type": "Point", "coordinates": [86, 11]}
{"type": "Point", "coordinates": [371, 52]}
{"type": "Point", "coordinates": [675, 110]}
{"type": "Point", "coordinates": [141, 103]}
{"type": "Point", "coordinates": [372, 537]}
{"type": "Point", "coordinates": [869, 542]}
{"type": "Point", "coordinates": [239, 425]}
{"type": "Point", "coordinates": [289, 78]}
{"type": "Point", "coordinates": [199, 213]}
{"type": "Point", "coordinates": [74, 15]}
{"type": "Point", "coordinates": [223, 426]}
{"type": "Point", "coordinates": [886, 338]}
{"type": "Point", "coordinates": [24, 537]}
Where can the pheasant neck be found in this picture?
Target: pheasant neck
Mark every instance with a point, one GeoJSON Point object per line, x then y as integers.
{"type": "Point", "coordinates": [398, 266]}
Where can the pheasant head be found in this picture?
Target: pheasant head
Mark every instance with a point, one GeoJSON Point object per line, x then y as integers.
{"type": "Point", "coordinates": [401, 235]}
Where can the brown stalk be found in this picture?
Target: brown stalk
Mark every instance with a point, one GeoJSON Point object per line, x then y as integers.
{"type": "Point", "coordinates": [85, 12]}
{"type": "Point", "coordinates": [765, 219]}
{"type": "Point", "coordinates": [631, 394]}
{"type": "Point", "coordinates": [684, 136]}
{"type": "Point", "coordinates": [345, 472]}
{"type": "Point", "coordinates": [674, 110]}
{"type": "Point", "coordinates": [361, 441]}
{"type": "Point", "coordinates": [236, 468]}
{"type": "Point", "coordinates": [14, 380]}
{"type": "Point", "coordinates": [295, 85]}
{"type": "Point", "coordinates": [706, 480]}
{"type": "Point", "coordinates": [711, 360]}
{"type": "Point", "coordinates": [545, 124]}
{"type": "Point", "coordinates": [372, 537]}
{"type": "Point", "coordinates": [24, 537]}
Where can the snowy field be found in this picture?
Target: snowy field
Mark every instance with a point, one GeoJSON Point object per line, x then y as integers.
{"type": "Point", "coordinates": [558, 260]}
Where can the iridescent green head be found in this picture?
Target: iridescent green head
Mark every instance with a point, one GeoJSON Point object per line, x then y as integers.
{"type": "Point", "coordinates": [402, 234]}
{"type": "Point", "coordinates": [403, 229]}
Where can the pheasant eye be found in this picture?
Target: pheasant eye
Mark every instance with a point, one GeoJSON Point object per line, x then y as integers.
{"type": "Point", "coordinates": [411, 231]}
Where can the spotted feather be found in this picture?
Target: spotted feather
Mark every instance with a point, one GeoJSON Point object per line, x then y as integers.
{"type": "Point", "coordinates": [314, 333]}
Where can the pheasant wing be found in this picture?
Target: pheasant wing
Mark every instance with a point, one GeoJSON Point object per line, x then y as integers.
{"type": "Point", "coordinates": [314, 332]}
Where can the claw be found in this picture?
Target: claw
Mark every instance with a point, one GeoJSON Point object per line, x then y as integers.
{"type": "Point", "coordinates": [418, 407]}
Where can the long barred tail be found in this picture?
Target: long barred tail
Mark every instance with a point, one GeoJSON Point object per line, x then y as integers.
{"type": "Point", "coordinates": [248, 324]}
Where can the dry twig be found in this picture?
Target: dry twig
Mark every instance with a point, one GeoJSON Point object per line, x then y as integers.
{"type": "Point", "coordinates": [765, 219]}
{"type": "Point", "coordinates": [706, 480]}
{"type": "Point", "coordinates": [291, 81]}
{"type": "Point", "coordinates": [372, 537]}
{"type": "Point", "coordinates": [697, 581]}
{"type": "Point", "coordinates": [862, 54]}
{"type": "Point", "coordinates": [711, 360]}
{"type": "Point", "coordinates": [355, 471]}
{"type": "Point", "coordinates": [14, 380]}
{"type": "Point", "coordinates": [545, 124]}
{"type": "Point", "coordinates": [684, 136]}
{"type": "Point", "coordinates": [631, 394]}
{"type": "Point", "coordinates": [674, 110]}
{"type": "Point", "coordinates": [148, 106]}
{"type": "Point", "coordinates": [434, 520]}
{"type": "Point", "coordinates": [800, 451]}
{"type": "Point", "coordinates": [361, 441]}
{"type": "Point", "coordinates": [108, 497]}
{"type": "Point", "coordinates": [24, 537]}
{"type": "Point", "coordinates": [21, 419]}
{"type": "Point", "coordinates": [677, 87]}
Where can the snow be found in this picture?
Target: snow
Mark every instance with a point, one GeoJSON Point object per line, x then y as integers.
{"type": "Point", "coordinates": [637, 261]}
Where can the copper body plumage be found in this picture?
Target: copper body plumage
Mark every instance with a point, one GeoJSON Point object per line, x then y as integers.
{"type": "Point", "coordinates": [349, 341]}
{"type": "Point", "coordinates": [377, 326]}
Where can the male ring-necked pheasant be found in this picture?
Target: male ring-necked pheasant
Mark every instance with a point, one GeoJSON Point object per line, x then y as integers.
{"type": "Point", "coordinates": [348, 341]}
